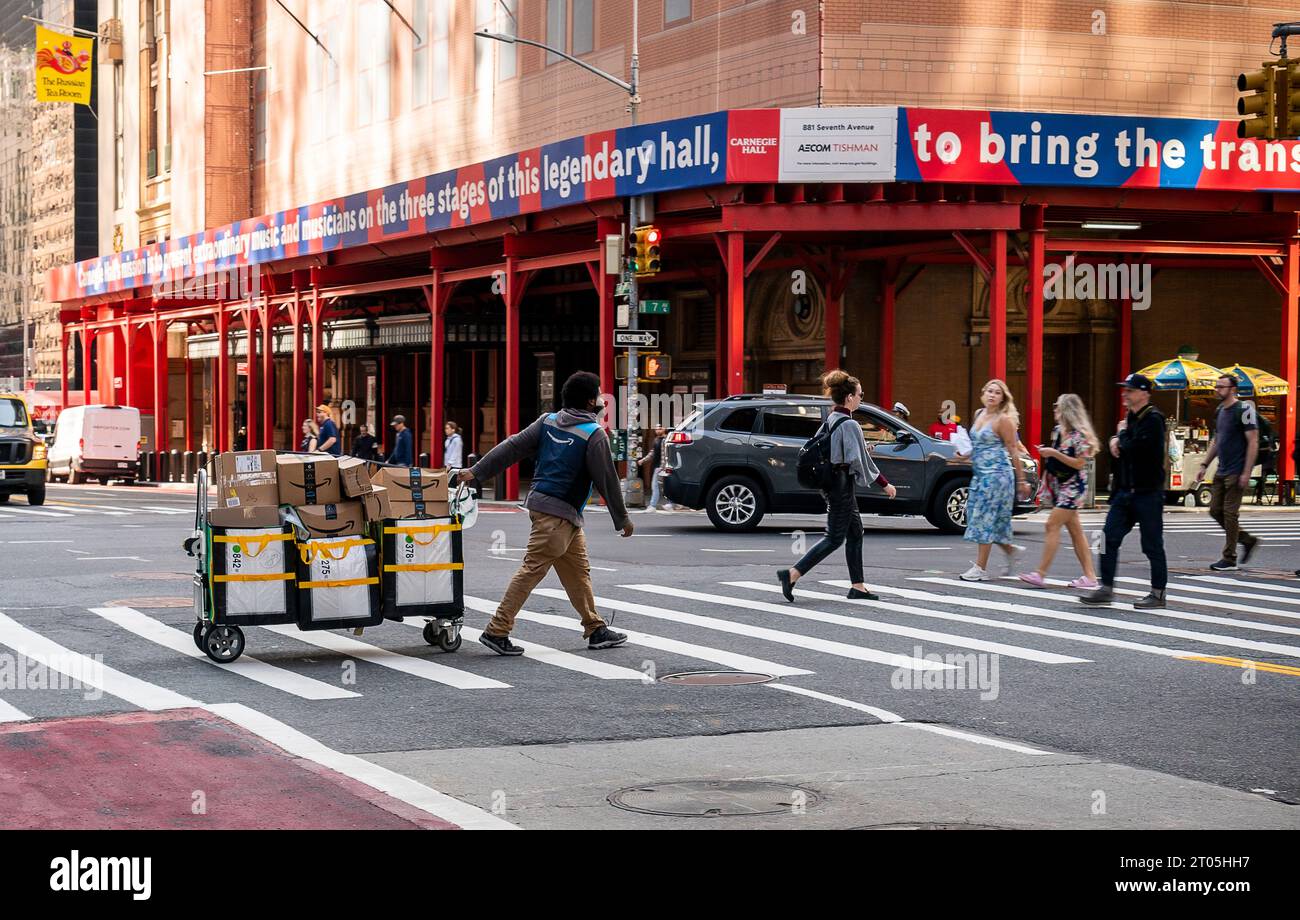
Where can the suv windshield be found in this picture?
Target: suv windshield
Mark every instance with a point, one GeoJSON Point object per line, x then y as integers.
{"type": "Point", "coordinates": [12, 414]}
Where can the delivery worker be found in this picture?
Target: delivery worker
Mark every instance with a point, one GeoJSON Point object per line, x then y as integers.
{"type": "Point", "coordinates": [403, 451]}
{"type": "Point", "coordinates": [329, 432]}
{"type": "Point", "coordinates": [572, 457]}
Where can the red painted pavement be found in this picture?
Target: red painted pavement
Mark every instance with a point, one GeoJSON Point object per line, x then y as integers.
{"type": "Point", "coordinates": [142, 770]}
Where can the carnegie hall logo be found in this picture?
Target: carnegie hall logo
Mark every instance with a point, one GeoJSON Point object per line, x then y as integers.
{"type": "Point", "coordinates": [754, 145]}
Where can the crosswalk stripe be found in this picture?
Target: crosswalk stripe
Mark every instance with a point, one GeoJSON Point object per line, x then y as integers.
{"type": "Point", "coordinates": [375, 654]}
{"type": "Point", "coordinates": [884, 715]}
{"type": "Point", "coordinates": [1010, 626]}
{"type": "Point", "coordinates": [842, 649]}
{"type": "Point", "coordinates": [90, 509]}
{"type": "Point", "coordinates": [1237, 582]}
{"type": "Point", "coordinates": [561, 659]}
{"type": "Point", "coordinates": [1175, 593]}
{"type": "Point", "coordinates": [146, 627]}
{"type": "Point", "coordinates": [727, 659]}
{"type": "Point", "coordinates": [12, 509]}
{"type": "Point", "coordinates": [1011, 651]}
{"type": "Point", "coordinates": [158, 509]}
{"type": "Point", "coordinates": [11, 713]}
{"type": "Point", "coordinates": [88, 671]}
{"type": "Point", "coordinates": [1191, 635]}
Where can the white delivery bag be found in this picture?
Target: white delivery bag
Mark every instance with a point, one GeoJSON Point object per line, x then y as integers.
{"type": "Point", "coordinates": [252, 575]}
{"type": "Point", "coordinates": [423, 568]}
{"type": "Point", "coordinates": [338, 583]}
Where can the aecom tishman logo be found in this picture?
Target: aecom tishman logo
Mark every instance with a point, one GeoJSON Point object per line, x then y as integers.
{"type": "Point", "coordinates": [103, 873]}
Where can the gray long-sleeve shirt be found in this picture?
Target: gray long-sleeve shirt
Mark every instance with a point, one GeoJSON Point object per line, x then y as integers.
{"type": "Point", "coordinates": [600, 467]}
{"type": "Point", "coordinates": [848, 446]}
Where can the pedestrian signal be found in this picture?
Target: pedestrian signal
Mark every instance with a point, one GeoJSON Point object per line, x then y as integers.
{"type": "Point", "coordinates": [645, 250]}
{"type": "Point", "coordinates": [658, 367]}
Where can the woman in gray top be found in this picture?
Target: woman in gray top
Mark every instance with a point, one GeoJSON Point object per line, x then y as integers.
{"type": "Point", "coordinates": [852, 467]}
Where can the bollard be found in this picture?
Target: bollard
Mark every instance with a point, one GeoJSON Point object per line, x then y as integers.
{"type": "Point", "coordinates": [200, 461]}
{"type": "Point", "coordinates": [174, 466]}
{"type": "Point", "coordinates": [161, 466]}
{"type": "Point", "coordinates": [423, 462]}
{"type": "Point", "coordinates": [145, 461]}
{"type": "Point", "coordinates": [187, 465]}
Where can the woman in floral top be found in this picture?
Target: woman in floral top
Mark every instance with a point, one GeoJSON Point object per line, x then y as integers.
{"type": "Point", "coordinates": [1064, 485]}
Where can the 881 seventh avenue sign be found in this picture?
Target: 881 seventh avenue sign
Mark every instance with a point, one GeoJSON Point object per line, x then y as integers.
{"type": "Point", "coordinates": [846, 144]}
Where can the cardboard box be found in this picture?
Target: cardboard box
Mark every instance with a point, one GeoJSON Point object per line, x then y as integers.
{"type": "Point", "coordinates": [416, 492]}
{"type": "Point", "coordinates": [376, 504]}
{"type": "Point", "coordinates": [341, 519]}
{"type": "Point", "coordinates": [247, 490]}
{"type": "Point", "coordinates": [355, 476]}
{"type": "Point", "coordinates": [308, 479]}
{"type": "Point", "coordinates": [245, 516]}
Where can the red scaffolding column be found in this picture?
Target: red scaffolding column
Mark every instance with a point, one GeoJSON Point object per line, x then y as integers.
{"type": "Point", "coordinates": [249, 314]}
{"type": "Point", "coordinates": [1125, 345]}
{"type": "Point", "coordinates": [63, 367]}
{"type": "Point", "coordinates": [719, 342]}
{"type": "Point", "coordinates": [189, 393]}
{"type": "Point", "coordinates": [299, 372]}
{"type": "Point", "coordinates": [437, 295]}
{"type": "Point", "coordinates": [1290, 345]}
{"type": "Point", "coordinates": [735, 347]}
{"type": "Point", "coordinates": [888, 303]}
{"type": "Point", "coordinates": [1034, 345]}
{"type": "Point", "coordinates": [221, 413]}
{"type": "Point", "coordinates": [317, 312]}
{"type": "Point", "coordinates": [516, 284]}
{"type": "Point", "coordinates": [128, 375]}
{"type": "Point", "coordinates": [267, 318]}
{"type": "Point", "coordinates": [998, 307]}
{"type": "Point", "coordinates": [87, 365]}
{"type": "Point", "coordinates": [161, 440]}
{"type": "Point", "coordinates": [605, 226]}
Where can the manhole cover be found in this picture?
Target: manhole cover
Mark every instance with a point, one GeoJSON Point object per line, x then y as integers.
{"type": "Point", "coordinates": [716, 678]}
{"type": "Point", "coordinates": [930, 826]}
{"type": "Point", "coordinates": [153, 602]}
{"type": "Point", "coordinates": [715, 799]}
{"type": "Point", "coordinates": [155, 576]}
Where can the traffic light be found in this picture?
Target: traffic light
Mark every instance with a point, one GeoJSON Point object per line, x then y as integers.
{"type": "Point", "coordinates": [1260, 104]}
{"type": "Point", "coordinates": [645, 250]}
{"type": "Point", "coordinates": [1288, 96]}
{"type": "Point", "coordinates": [658, 367]}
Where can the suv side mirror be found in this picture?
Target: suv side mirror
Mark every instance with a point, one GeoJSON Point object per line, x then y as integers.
{"type": "Point", "coordinates": [906, 437]}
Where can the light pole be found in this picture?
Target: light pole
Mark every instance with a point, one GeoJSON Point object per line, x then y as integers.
{"type": "Point", "coordinates": [635, 212]}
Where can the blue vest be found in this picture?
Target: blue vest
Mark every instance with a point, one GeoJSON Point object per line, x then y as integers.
{"type": "Point", "coordinates": [561, 470]}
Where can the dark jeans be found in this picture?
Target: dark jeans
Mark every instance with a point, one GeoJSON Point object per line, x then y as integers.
{"type": "Point", "coordinates": [1146, 510]}
{"type": "Point", "coordinates": [843, 525]}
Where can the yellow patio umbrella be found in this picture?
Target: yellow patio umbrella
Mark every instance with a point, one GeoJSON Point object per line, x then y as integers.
{"type": "Point", "coordinates": [1181, 374]}
{"type": "Point", "coordinates": [1253, 383]}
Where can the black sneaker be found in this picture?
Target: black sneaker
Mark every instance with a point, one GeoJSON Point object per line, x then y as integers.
{"type": "Point", "coordinates": [500, 644]}
{"type": "Point", "coordinates": [1102, 597]}
{"type": "Point", "coordinates": [1248, 550]}
{"type": "Point", "coordinates": [1223, 565]}
{"type": "Point", "coordinates": [1153, 600]}
{"type": "Point", "coordinates": [605, 638]}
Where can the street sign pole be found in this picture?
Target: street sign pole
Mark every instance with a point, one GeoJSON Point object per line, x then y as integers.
{"type": "Point", "coordinates": [632, 493]}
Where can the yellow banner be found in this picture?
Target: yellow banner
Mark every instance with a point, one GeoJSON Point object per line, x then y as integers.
{"type": "Point", "coordinates": [63, 67]}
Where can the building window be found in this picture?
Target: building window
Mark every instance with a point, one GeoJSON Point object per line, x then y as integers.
{"type": "Point", "coordinates": [484, 18]}
{"type": "Point", "coordinates": [508, 24]}
{"type": "Point", "coordinates": [374, 37]}
{"type": "Point", "coordinates": [323, 79]}
{"type": "Point", "coordinates": [556, 12]}
{"type": "Point", "coordinates": [259, 97]}
{"type": "Point", "coordinates": [420, 77]}
{"type": "Point", "coordinates": [582, 27]}
{"type": "Point", "coordinates": [570, 26]}
{"type": "Point", "coordinates": [119, 135]}
{"type": "Point", "coordinates": [676, 9]}
{"type": "Point", "coordinates": [439, 34]}
{"type": "Point", "coordinates": [429, 71]}
{"type": "Point", "coordinates": [153, 65]}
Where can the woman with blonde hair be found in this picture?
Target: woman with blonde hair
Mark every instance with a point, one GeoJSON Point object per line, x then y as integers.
{"type": "Point", "coordinates": [310, 436]}
{"type": "Point", "coordinates": [997, 478]}
{"type": "Point", "coordinates": [851, 466]}
{"type": "Point", "coordinates": [1064, 484]}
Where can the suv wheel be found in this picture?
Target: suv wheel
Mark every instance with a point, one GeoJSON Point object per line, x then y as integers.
{"type": "Point", "coordinates": [948, 512]}
{"type": "Point", "coordinates": [735, 504]}
{"type": "Point", "coordinates": [36, 495]}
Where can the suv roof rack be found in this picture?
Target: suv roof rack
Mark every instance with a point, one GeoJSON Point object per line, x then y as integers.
{"type": "Point", "coordinates": [780, 397]}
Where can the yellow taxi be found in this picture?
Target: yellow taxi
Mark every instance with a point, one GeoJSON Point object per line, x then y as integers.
{"type": "Point", "coordinates": [22, 452]}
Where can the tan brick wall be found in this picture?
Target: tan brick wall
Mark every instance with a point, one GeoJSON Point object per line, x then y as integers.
{"type": "Point", "coordinates": [1154, 58]}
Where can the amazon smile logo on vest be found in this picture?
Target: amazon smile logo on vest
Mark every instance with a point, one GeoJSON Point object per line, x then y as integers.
{"type": "Point", "coordinates": [103, 873]}
{"type": "Point", "coordinates": [565, 441]}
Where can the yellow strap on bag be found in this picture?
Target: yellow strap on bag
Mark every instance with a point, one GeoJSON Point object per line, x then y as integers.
{"type": "Point", "coordinates": [431, 567]}
{"type": "Point", "coordinates": [274, 576]}
{"type": "Point", "coordinates": [313, 549]}
{"type": "Point", "coordinates": [345, 583]}
{"type": "Point", "coordinates": [432, 529]}
{"type": "Point", "coordinates": [246, 544]}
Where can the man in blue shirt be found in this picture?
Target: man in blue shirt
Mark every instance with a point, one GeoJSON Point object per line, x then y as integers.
{"type": "Point", "coordinates": [328, 441]}
{"type": "Point", "coordinates": [403, 450]}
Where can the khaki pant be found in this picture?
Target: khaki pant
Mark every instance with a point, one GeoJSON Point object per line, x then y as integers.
{"type": "Point", "coordinates": [1225, 507]}
{"type": "Point", "coordinates": [553, 542]}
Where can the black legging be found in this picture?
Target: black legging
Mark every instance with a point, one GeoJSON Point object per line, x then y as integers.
{"type": "Point", "coordinates": [843, 525]}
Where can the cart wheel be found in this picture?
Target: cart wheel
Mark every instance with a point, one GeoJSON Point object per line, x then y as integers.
{"type": "Point", "coordinates": [1203, 497]}
{"type": "Point", "coordinates": [199, 627]}
{"type": "Point", "coordinates": [430, 633]}
{"type": "Point", "coordinates": [223, 644]}
{"type": "Point", "coordinates": [448, 644]}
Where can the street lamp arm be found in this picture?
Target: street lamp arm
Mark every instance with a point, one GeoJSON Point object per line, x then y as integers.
{"type": "Point", "coordinates": [512, 39]}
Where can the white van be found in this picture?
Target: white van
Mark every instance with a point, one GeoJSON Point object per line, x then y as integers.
{"type": "Point", "coordinates": [99, 441]}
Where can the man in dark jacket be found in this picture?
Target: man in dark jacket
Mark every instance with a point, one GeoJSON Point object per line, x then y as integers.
{"type": "Point", "coordinates": [572, 457]}
{"type": "Point", "coordinates": [403, 451]}
{"type": "Point", "coordinates": [364, 445]}
{"type": "Point", "coordinates": [1140, 448]}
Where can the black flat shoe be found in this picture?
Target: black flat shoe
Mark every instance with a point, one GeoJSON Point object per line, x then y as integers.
{"type": "Point", "coordinates": [856, 595]}
{"type": "Point", "coordinates": [787, 588]}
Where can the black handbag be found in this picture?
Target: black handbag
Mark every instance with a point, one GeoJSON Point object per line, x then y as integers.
{"type": "Point", "coordinates": [1062, 471]}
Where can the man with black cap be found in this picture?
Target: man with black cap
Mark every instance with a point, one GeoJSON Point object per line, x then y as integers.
{"type": "Point", "coordinates": [403, 452]}
{"type": "Point", "coordinates": [1140, 448]}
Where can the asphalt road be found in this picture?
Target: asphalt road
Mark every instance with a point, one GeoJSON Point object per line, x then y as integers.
{"type": "Point", "coordinates": [1164, 692]}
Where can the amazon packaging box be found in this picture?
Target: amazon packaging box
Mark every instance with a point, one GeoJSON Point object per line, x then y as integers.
{"type": "Point", "coordinates": [415, 493]}
{"type": "Point", "coordinates": [376, 504]}
{"type": "Point", "coordinates": [354, 474]}
{"type": "Point", "coordinates": [308, 479]}
{"type": "Point", "coordinates": [341, 519]}
{"type": "Point", "coordinates": [247, 490]}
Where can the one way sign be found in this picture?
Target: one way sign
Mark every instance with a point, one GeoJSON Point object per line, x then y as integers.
{"type": "Point", "coordinates": [641, 338]}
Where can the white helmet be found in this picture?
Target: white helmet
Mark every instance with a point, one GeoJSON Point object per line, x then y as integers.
{"type": "Point", "coordinates": [901, 410]}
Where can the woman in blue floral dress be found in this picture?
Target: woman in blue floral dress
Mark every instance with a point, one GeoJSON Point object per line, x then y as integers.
{"type": "Point", "coordinates": [996, 479]}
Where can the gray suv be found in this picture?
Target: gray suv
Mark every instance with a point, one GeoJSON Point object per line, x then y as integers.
{"type": "Point", "coordinates": [735, 458]}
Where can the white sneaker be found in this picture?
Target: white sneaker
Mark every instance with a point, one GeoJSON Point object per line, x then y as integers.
{"type": "Point", "coordinates": [1011, 555]}
{"type": "Point", "coordinates": [975, 573]}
